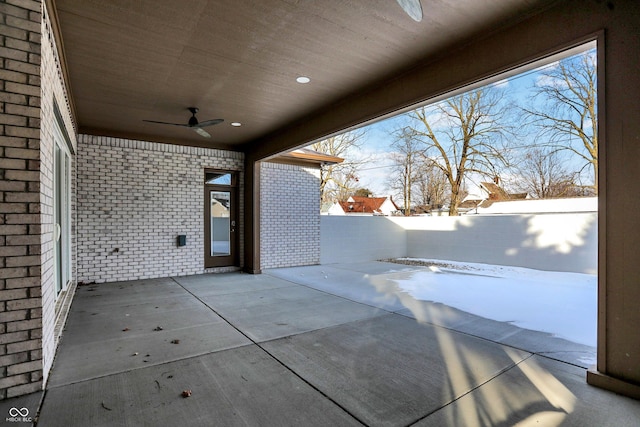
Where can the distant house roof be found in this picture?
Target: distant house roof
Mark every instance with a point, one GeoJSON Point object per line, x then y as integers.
{"type": "Point", "coordinates": [533, 206]}
{"type": "Point", "coordinates": [325, 206]}
{"type": "Point", "coordinates": [367, 205]}
{"type": "Point", "coordinates": [469, 203]}
{"type": "Point", "coordinates": [493, 193]}
{"type": "Point", "coordinates": [498, 193]}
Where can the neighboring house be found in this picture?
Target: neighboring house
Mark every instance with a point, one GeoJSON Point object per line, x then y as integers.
{"type": "Point", "coordinates": [358, 205]}
{"type": "Point", "coordinates": [218, 210]}
{"type": "Point", "coordinates": [493, 191]}
{"type": "Point", "coordinates": [444, 210]}
{"type": "Point", "coordinates": [332, 209]}
{"type": "Point", "coordinates": [494, 200]}
{"type": "Point", "coordinates": [537, 206]}
{"type": "Point", "coordinates": [490, 192]}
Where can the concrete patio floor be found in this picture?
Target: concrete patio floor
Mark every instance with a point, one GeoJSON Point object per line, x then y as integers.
{"type": "Point", "coordinates": [309, 346]}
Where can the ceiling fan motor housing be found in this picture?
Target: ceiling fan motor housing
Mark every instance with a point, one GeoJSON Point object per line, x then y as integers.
{"type": "Point", "coordinates": [192, 120]}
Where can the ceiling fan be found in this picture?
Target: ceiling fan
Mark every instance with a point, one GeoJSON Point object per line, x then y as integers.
{"type": "Point", "coordinates": [193, 123]}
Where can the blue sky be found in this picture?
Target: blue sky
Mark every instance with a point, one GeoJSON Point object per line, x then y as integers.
{"type": "Point", "coordinates": [375, 174]}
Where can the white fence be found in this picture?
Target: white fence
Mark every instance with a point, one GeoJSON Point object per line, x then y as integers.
{"type": "Point", "coordinates": [360, 238]}
{"type": "Point", "coordinates": [554, 242]}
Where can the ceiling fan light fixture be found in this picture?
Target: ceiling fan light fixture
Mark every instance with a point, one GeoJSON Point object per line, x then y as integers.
{"type": "Point", "coordinates": [236, 124]}
{"type": "Point", "coordinates": [303, 79]}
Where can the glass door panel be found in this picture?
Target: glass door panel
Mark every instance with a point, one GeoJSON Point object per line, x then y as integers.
{"type": "Point", "coordinates": [61, 216]}
{"type": "Point", "coordinates": [220, 222]}
{"type": "Point", "coordinates": [220, 219]}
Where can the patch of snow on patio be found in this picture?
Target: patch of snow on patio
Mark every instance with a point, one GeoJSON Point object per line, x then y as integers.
{"type": "Point", "coordinates": [560, 303]}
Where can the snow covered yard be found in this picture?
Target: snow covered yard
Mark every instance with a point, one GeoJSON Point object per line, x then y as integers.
{"type": "Point", "coordinates": [562, 304]}
{"type": "Point", "coordinates": [548, 313]}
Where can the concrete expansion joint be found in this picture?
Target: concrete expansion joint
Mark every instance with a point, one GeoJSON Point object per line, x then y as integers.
{"type": "Point", "coordinates": [548, 355]}
{"type": "Point", "coordinates": [271, 355]}
{"type": "Point", "coordinates": [473, 389]}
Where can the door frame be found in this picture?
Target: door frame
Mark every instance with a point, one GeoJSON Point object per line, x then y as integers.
{"type": "Point", "coordinates": [231, 260]}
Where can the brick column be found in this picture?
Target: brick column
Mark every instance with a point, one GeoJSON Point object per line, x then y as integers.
{"type": "Point", "coordinates": [20, 283]}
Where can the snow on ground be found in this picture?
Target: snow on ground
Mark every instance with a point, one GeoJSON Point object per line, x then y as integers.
{"type": "Point", "coordinates": [560, 303]}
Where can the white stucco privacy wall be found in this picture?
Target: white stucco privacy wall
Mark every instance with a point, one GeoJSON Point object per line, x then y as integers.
{"type": "Point", "coordinates": [346, 239]}
{"type": "Point", "coordinates": [553, 242]}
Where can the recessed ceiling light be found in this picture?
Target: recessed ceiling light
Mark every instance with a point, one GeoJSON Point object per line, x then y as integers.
{"type": "Point", "coordinates": [303, 79]}
{"type": "Point", "coordinates": [236, 124]}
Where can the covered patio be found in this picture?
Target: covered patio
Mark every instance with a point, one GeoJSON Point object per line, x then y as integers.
{"type": "Point", "coordinates": [289, 347]}
{"type": "Point", "coordinates": [107, 176]}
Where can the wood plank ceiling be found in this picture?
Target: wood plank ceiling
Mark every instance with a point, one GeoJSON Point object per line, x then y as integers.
{"type": "Point", "coordinates": [237, 60]}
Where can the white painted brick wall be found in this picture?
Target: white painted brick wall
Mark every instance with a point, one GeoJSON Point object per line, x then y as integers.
{"type": "Point", "coordinates": [52, 90]}
{"type": "Point", "coordinates": [289, 215]}
{"type": "Point", "coordinates": [135, 198]}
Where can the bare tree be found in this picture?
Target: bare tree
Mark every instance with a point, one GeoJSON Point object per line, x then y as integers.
{"type": "Point", "coordinates": [346, 184]}
{"type": "Point", "coordinates": [431, 186]}
{"type": "Point", "coordinates": [542, 175]}
{"type": "Point", "coordinates": [569, 118]}
{"type": "Point", "coordinates": [406, 158]}
{"type": "Point", "coordinates": [464, 134]}
{"type": "Point", "coordinates": [338, 181]}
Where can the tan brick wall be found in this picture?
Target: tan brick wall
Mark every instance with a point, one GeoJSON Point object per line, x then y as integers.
{"type": "Point", "coordinates": [27, 296]}
{"type": "Point", "coordinates": [20, 252]}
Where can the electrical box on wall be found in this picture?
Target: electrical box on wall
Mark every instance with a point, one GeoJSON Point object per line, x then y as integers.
{"type": "Point", "coordinates": [182, 240]}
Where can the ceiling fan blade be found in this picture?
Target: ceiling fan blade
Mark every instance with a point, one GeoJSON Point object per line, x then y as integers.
{"type": "Point", "coordinates": [166, 123]}
{"type": "Point", "coordinates": [209, 123]}
{"type": "Point", "coordinates": [192, 123]}
{"type": "Point", "coordinates": [201, 131]}
{"type": "Point", "coordinates": [413, 8]}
